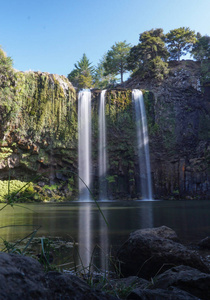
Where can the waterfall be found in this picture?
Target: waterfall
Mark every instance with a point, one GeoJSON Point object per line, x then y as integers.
{"type": "Point", "coordinates": [102, 148]}
{"type": "Point", "coordinates": [84, 145]}
{"type": "Point", "coordinates": [143, 145]}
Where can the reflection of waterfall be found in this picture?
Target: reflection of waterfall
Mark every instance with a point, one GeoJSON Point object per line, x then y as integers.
{"type": "Point", "coordinates": [104, 243]}
{"type": "Point", "coordinates": [91, 220]}
{"type": "Point", "coordinates": [143, 144]}
{"type": "Point", "coordinates": [146, 215]}
{"type": "Point", "coordinates": [102, 148]}
{"type": "Point", "coordinates": [85, 235]}
{"type": "Point", "coordinates": [84, 151]}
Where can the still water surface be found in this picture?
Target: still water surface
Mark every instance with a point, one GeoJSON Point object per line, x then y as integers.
{"type": "Point", "coordinates": [83, 223]}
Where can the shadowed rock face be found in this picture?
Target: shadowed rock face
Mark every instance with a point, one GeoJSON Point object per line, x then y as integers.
{"type": "Point", "coordinates": [149, 252]}
{"type": "Point", "coordinates": [179, 126]}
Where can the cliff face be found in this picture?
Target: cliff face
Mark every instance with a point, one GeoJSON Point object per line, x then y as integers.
{"type": "Point", "coordinates": [38, 127]}
{"type": "Point", "coordinates": [39, 135]}
{"type": "Point", "coordinates": [179, 146]}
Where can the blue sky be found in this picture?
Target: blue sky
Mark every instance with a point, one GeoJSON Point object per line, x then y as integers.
{"type": "Point", "coordinates": [49, 35]}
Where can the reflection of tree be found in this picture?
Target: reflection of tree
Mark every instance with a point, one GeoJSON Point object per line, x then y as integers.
{"type": "Point", "coordinates": [15, 224]}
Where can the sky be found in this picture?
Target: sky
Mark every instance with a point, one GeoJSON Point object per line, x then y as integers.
{"type": "Point", "coordinates": [51, 36]}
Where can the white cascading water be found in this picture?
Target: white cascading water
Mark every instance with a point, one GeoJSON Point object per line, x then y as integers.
{"type": "Point", "coordinates": [102, 148]}
{"type": "Point", "coordinates": [84, 145]}
{"type": "Point", "coordinates": [143, 145]}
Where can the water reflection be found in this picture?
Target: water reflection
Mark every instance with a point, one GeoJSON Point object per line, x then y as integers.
{"type": "Point", "coordinates": [93, 242]}
{"type": "Point", "coordinates": [85, 235]}
{"type": "Point", "coordinates": [83, 223]}
{"type": "Point", "coordinates": [146, 215]}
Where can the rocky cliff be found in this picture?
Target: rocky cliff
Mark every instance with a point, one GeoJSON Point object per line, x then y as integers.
{"type": "Point", "coordinates": [180, 133]}
{"type": "Point", "coordinates": [38, 135]}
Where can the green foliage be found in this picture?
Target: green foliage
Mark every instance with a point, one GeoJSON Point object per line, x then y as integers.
{"type": "Point", "coordinates": [116, 59]}
{"type": "Point", "coordinates": [152, 44]}
{"type": "Point", "coordinates": [8, 103]}
{"type": "Point", "coordinates": [82, 75]}
{"type": "Point", "coordinates": [201, 52]}
{"type": "Point", "coordinates": [148, 58]}
{"type": "Point", "coordinates": [111, 178]}
{"type": "Point", "coordinates": [46, 254]}
{"type": "Point", "coordinates": [18, 191]}
{"type": "Point", "coordinates": [103, 81]}
{"type": "Point", "coordinates": [50, 187]}
{"type": "Point", "coordinates": [46, 111]}
{"type": "Point", "coordinates": [180, 41]}
{"type": "Point", "coordinates": [157, 68]}
{"type": "Point", "coordinates": [201, 49]}
{"type": "Point", "coordinates": [205, 71]}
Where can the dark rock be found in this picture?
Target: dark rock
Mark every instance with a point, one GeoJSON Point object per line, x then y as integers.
{"type": "Point", "coordinates": [147, 253]}
{"type": "Point", "coordinates": [162, 232]}
{"type": "Point", "coordinates": [160, 294]}
{"type": "Point", "coordinates": [22, 278]}
{"type": "Point", "coordinates": [66, 286]}
{"type": "Point", "coordinates": [185, 278]}
{"type": "Point", "coordinates": [205, 243]}
{"type": "Point", "coordinates": [131, 281]}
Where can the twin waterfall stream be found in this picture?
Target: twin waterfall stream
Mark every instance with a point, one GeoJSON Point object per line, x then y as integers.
{"type": "Point", "coordinates": [84, 145]}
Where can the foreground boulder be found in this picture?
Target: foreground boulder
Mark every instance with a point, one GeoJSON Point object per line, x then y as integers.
{"type": "Point", "coordinates": [187, 279]}
{"type": "Point", "coordinates": [160, 294]}
{"type": "Point", "coordinates": [149, 252]}
{"type": "Point", "coordinates": [23, 278]}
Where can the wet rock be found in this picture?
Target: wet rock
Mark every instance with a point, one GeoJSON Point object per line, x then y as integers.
{"type": "Point", "coordinates": [147, 253]}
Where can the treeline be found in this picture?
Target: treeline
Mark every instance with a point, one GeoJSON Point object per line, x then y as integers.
{"type": "Point", "coordinates": [148, 59]}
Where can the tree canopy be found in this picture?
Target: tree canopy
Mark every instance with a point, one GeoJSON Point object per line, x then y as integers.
{"type": "Point", "coordinates": [148, 58]}
{"type": "Point", "coordinates": [201, 49]}
{"type": "Point", "coordinates": [100, 79]}
{"type": "Point", "coordinates": [82, 75]}
{"type": "Point", "coordinates": [180, 41]}
{"type": "Point", "coordinates": [116, 59]}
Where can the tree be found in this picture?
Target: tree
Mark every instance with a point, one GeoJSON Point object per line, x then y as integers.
{"type": "Point", "coordinates": [100, 80]}
{"type": "Point", "coordinates": [116, 59]}
{"type": "Point", "coordinates": [201, 49]}
{"type": "Point", "coordinates": [180, 41]}
{"type": "Point", "coordinates": [149, 57]}
{"type": "Point", "coordinates": [201, 52]}
{"type": "Point", "coordinates": [152, 44]}
{"type": "Point", "coordinates": [82, 75]}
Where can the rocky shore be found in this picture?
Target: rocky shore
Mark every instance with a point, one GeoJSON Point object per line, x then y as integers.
{"type": "Point", "coordinates": [153, 265]}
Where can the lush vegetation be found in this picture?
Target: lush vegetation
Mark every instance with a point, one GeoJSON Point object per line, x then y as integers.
{"type": "Point", "coordinates": [148, 59]}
